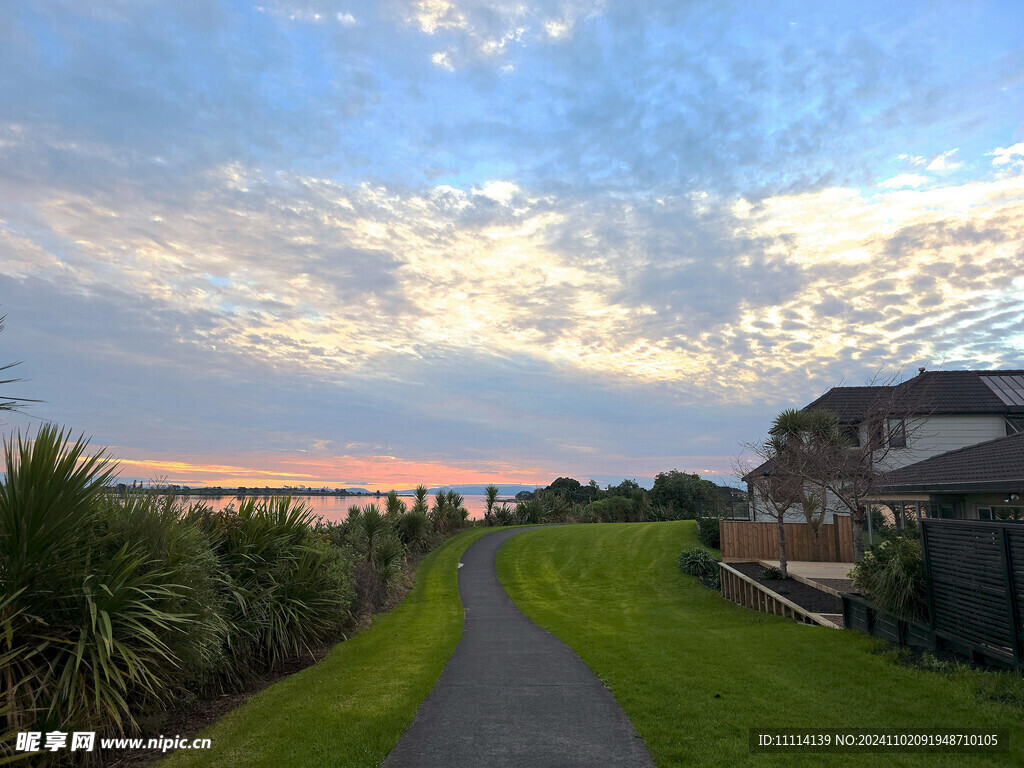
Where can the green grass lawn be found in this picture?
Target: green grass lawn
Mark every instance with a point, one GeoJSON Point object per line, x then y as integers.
{"type": "Point", "coordinates": [350, 709]}
{"type": "Point", "coordinates": [694, 671]}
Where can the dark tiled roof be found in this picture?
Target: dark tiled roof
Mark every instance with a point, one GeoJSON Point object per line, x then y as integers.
{"type": "Point", "coordinates": [947, 392]}
{"type": "Point", "coordinates": [851, 403]}
{"type": "Point", "coordinates": [994, 462]}
{"type": "Point", "coordinates": [931, 392]}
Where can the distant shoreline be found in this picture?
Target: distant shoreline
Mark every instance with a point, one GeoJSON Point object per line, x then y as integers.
{"type": "Point", "coordinates": [216, 493]}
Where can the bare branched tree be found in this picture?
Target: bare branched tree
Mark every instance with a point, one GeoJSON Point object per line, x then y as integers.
{"type": "Point", "coordinates": [832, 462]}
{"type": "Point", "coordinates": [778, 483]}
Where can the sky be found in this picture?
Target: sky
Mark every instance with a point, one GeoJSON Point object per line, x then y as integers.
{"type": "Point", "coordinates": [460, 241]}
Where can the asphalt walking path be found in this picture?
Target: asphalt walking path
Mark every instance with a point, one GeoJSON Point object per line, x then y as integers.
{"type": "Point", "coordinates": [513, 694]}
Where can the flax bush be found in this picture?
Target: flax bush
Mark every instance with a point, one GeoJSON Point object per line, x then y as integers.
{"type": "Point", "coordinates": [95, 621]}
{"type": "Point", "coordinates": [287, 589]}
{"type": "Point", "coordinates": [698, 562]}
{"type": "Point", "coordinates": [892, 576]}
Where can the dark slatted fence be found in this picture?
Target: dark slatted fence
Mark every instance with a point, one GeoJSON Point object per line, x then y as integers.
{"type": "Point", "coordinates": [976, 586]}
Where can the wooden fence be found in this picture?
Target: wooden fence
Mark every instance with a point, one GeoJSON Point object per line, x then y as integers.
{"type": "Point", "coordinates": [744, 541]}
{"type": "Point", "coordinates": [743, 590]}
{"type": "Point", "coordinates": [976, 587]}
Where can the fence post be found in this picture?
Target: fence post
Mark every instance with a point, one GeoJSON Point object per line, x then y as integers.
{"type": "Point", "coordinates": [927, 573]}
{"type": "Point", "coordinates": [1011, 596]}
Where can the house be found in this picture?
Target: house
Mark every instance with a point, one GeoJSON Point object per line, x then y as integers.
{"type": "Point", "coordinates": [980, 482]}
{"type": "Point", "coordinates": [937, 435]}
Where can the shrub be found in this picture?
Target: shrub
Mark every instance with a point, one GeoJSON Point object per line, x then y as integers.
{"type": "Point", "coordinates": [455, 513]}
{"type": "Point", "coordinates": [367, 528]}
{"type": "Point", "coordinates": [531, 511]}
{"type": "Point", "coordinates": [89, 622]}
{"type": "Point", "coordinates": [287, 589]}
{"type": "Point", "coordinates": [505, 515]}
{"type": "Point", "coordinates": [771, 573]}
{"type": "Point", "coordinates": [892, 576]}
{"type": "Point", "coordinates": [698, 562]}
{"type": "Point", "coordinates": [388, 558]}
{"type": "Point", "coordinates": [708, 531]}
{"type": "Point", "coordinates": [614, 509]}
{"type": "Point", "coordinates": [166, 535]}
{"type": "Point", "coordinates": [393, 505]}
{"type": "Point", "coordinates": [334, 533]}
{"type": "Point", "coordinates": [414, 529]}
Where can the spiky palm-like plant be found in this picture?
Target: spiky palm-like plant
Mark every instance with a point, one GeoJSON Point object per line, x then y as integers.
{"type": "Point", "coordinates": [86, 616]}
{"type": "Point", "coordinates": [455, 513]}
{"type": "Point", "coordinates": [393, 505]}
{"type": "Point", "coordinates": [439, 512]}
{"type": "Point", "coordinates": [387, 557]}
{"type": "Point", "coordinates": [286, 588]}
{"type": "Point", "coordinates": [370, 526]}
{"type": "Point", "coordinates": [421, 504]}
{"type": "Point", "coordinates": [492, 498]}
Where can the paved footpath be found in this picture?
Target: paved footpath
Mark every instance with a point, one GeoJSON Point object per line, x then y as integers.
{"type": "Point", "coordinates": [513, 694]}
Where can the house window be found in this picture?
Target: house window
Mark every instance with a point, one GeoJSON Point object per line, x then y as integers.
{"type": "Point", "coordinates": [943, 510]}
{"type": "Point", "coordinates": [1006, 513]}
{"type": "Point", "coordinates": [852, 433]}
{"type": "Point", "coordinates": [984, 513]}
{"type": "Point", "coordinates": [876, 434]}
{"type": "Point", "coordinates": [897, 433]}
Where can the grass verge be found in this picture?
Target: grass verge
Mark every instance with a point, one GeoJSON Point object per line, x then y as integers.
{"type": "Point", "coordinates": [694, 672]}
{"type": "Point", "coordinates": [350, 709]}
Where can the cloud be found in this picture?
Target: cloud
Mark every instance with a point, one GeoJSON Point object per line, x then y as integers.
{"type": "Point", "coordinates": [905, 180]}
{"type": "Point", "coordinates": [320, 275]}
{"type": "Point", "coordinates": [943, 162]}
{"type": "Point", "coordinates": [1008, 155]}
{"type": "Point", "coordinates": [442, 60]}
{"type": "Point", "coordinates": [448, 230]}
{"type": "Point", "coordinates": [484, 32]}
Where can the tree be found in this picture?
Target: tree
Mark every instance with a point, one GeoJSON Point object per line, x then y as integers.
{"type": "Point", "coordinates": [393, 505]}
{"type": "Point", "coordinates": [572, 490]}
{"type": "Point", "coordinates": [420, 505]}
{"type": "Point", "coordinates": [779, 484]}
{"type": "Point", "coordinates": [492, 498]}
{"type": "Point", "coordinates": [843, 462]}
{"type": "Point", "coordinates": [625, 488]}
{"type": "Point", "coordinates": [683, 493]}
{"type": "Point", "coordinates": [812, 439]}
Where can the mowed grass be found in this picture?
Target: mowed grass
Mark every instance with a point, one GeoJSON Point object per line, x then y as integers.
{"type": "Point", "coordinates": [694, 671]}
{"type": "Point", "coordinates": [351, 708]}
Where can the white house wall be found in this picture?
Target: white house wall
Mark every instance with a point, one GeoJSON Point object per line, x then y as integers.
{"type": "Point", "coordinates": [931, 435]}
{"type": "Point", "coordinates": [761, 512]}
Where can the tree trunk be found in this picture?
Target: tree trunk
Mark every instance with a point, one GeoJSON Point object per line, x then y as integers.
{"type": "Point", "coordinates": [816, 548]}
{"type": "Point", "coordinates": [782, 550]}
{"type": "Point", "coordinates": [858, 533]}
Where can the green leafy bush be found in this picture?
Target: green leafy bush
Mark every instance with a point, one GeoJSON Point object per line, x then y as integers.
{"type": "Point", "coordinates": [708, 531]}
{"type": "Point", "coordinates": [771, 573]}
{"type": "Point", "coordinates": [414, 530]}
{"type": "Point", "coordinates": [698, 562]}
{"type": "Point", "coordinates": [892, 576]}
{"type": "Point", "coordinates": [164, 532]}
{"type": "Point", "coordinates": [91, 624]}
{"type": "Point", "coordinates": [287, 589]}
{"type": "Point", "coordinates": [614, 509]}
{"type": "Point", "coordinates": [505, 514]}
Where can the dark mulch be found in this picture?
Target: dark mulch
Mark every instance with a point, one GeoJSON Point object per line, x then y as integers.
{"type": "Point", "coordinates": [807, 597]}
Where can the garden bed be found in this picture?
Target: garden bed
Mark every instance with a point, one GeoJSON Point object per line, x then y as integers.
{"type": "Point", "coordinates": [807, 597]}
